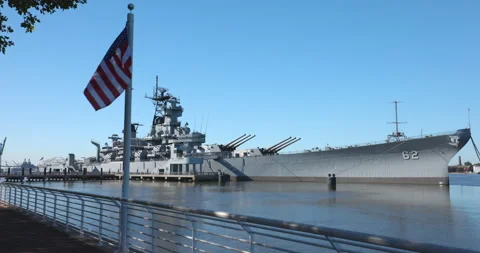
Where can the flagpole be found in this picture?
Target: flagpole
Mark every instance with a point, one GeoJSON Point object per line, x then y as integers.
{"type": "Point", "coordinates": [126, 141]}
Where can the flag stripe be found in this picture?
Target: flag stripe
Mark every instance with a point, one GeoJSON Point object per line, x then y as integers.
{"type": "Point", "coordinates": [91, 99]}
{"type": "Point", "coordinates": [113, 75]}
{"type": "Point", "coordinates": [99, 91]}
{"type": "Point", "coordinates": [112, 78]}
{"type": "Point", "coordinates": [107, 81]}
{"type": "Point", "coordinates": [112, 70]}
{"type": "Point", "coordinates": [121, 73]}
{"type": "Point", "coordinates": [104, 87]}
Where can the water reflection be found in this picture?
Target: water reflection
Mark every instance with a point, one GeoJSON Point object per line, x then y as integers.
{"type": "Point", "coordinates": [436, 214]}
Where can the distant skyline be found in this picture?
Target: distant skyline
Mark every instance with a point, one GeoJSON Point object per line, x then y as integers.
{"type": "Point", "coordinates": [325, 71]}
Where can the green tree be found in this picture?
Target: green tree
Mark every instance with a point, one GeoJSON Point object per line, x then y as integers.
{"type": "Point", "coordinates": [23, 8]}
{"type": "Point", "coordinates": [468, 163]}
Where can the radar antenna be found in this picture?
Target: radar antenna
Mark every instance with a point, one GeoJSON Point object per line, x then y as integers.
{"type": "Point", "coordinates": [396, 134]}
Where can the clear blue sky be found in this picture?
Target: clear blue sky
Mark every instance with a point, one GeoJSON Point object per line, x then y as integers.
{"type": "Point", "coordinates": [325, 71]}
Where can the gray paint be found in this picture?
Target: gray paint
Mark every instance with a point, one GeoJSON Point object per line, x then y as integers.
{"type": "Point", "coordinates": [171, 147]}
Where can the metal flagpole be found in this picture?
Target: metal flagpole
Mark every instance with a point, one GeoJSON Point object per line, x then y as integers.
{"type": "Point", "coordinates": [126, 141]}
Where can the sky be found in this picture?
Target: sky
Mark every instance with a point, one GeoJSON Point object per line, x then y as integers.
{"type": "Point", "coordinates": [325, 71]}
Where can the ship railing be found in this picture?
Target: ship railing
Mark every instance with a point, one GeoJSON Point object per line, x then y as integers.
{"type": "Point", "coordinates": [211, 155]}
{"type": "Point", "coordinates": [71, 173]}
{"type": "Point", "coordinates": [159, 227]}
{"type": "Point", "coordinates": [172, 173]}
{"type": "Point", "coordinates": [332, 148]}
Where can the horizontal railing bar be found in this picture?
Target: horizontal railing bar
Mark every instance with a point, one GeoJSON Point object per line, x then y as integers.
{"type": "Point", "coordinates": [220, 246]}
{"type": "Point", "coordinates": [283, 250]}
{"type": "Point", "coordinates": [290, 239]}
{"type": "Point", "coordinates": [223, 236]}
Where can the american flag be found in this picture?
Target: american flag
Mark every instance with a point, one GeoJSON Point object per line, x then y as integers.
{"type": "Point", "coordinates": [113, 75]}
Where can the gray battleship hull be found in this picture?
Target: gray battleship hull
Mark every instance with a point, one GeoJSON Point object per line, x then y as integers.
{"type": "Point", "coordinates": [412, 161]}
{"type": "Point", "coordinates": [417, 161]}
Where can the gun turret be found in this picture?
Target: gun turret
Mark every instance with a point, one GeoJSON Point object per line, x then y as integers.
{"type": "Point", "coordinates": [230, 143]}
{"type": "Point", "coordinates": [277, 149]}
{"type": "Point", "coordinates": [278, 144]}
{"type": "Point", "coordinates": [231, 146]}
{"type": "Point", "coordinates": [243, 141]}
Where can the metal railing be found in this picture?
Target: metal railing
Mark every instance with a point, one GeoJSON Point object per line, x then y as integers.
{"type": "Point", "coordinates": [184, 173]}
{"type": "Point", "coordinates": [157, 227]}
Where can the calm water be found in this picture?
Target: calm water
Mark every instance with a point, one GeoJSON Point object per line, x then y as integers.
{"type": "Point", "coordinates": [437, 214]}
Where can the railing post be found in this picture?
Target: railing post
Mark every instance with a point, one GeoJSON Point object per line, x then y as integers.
{"type": "Point", "coordinates": [2, 192]}
{"type": "Point", "coordinates": [28, 200]}
{"type": "Point", "coordinates": [119, 205]}
{"type": "Point", "coordinates": [67, 212]}
{"type": "Point", "coordinates": [194, 232]}
{"type": "Point", "coordinates": [9, 195]}
{"type": "Point", "coordinates": [15, 197]}
{"type": "Point", "coordinates": [44, 204]}
{"type": "Point", "coordinates": [83, 216]}
{"type": "Point", "coordinates": [21, 198]}
{"type": "Point", "coordinates": [100, 227]}
{"type": "Point", "coordinates": [35, 205]}
{"type": "Point", "coordinates": [54, 209]}
{"type": "Point", "coordinates": [153, 229]}
{"type": "Point", "coordinates": [250, 236]}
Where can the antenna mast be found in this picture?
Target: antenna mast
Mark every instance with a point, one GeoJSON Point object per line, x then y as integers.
{"type": "Point", "coordinates": [1, 152]}
{"type": "Point", "coordinates": [397, 134]}
{"type": "Point", "coordinates": [469, 118]}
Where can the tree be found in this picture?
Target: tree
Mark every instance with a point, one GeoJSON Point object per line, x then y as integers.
{"type": "Point", "coordinates": [468, 163]}
{"type": "Point", "coordinates": [23, 7]}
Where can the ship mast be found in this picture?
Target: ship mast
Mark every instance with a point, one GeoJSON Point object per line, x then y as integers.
{"type": "Point", "coordinates": [1, 152]}
{"type": "Point", "coordinates": [397, 134]}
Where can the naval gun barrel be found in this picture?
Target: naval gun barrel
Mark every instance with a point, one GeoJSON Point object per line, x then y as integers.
{"type": "Point", "coordinates": [230, 143]}
{"type": "Point", "coordinates": [244, 140]}
{"type": "Point", "coordinates": [238, 141]}
{"type": "Point", "coordinates": [286, 144]}
{"type": "Point", "coordinates": [278, 144]}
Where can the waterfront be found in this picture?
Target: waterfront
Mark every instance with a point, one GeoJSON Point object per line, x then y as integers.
{"type": "Point", "coordinates": [448, 215]}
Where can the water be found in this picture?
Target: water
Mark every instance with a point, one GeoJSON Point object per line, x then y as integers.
{"type": "Point", "coordinates": [448, 215]}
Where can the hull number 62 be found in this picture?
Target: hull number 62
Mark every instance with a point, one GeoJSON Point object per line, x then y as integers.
{"type": "Point", "coordinates": [413, 155]}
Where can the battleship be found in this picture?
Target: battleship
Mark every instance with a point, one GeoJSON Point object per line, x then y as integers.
{"type": "Point", "coordinates": [172, 148]}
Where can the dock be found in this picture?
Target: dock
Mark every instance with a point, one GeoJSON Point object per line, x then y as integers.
{"type": "Point", "coordinates": [57, 177]}
{"type": "Point", "coordinates": [23, 233]}
{"type": "Point", "coordinates": [193, 177]}
{"type": "Point", "coordinates": [89, 176]}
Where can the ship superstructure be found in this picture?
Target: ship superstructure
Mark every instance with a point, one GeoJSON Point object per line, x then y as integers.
{"type": "Point", "coordinates": [169, 145]}
{"type": "Point", "coordinates": [173, 148]}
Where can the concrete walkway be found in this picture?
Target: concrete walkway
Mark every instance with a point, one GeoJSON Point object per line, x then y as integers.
{"type": "Point", "coordinates": [21, 233]}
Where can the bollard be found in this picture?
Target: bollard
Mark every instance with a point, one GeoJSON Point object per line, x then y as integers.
{"type": "Point", "coordinates": [44, 173]}
{"type": "Point", "coordinates": [332, 181]}
{"type": "Point", "coordinates": [219, 176]}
